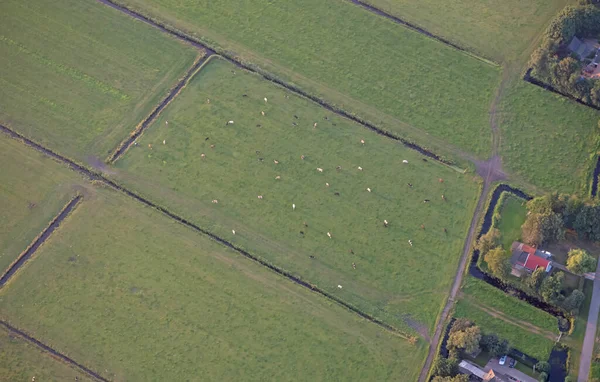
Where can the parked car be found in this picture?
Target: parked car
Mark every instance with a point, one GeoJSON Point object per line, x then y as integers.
{"type": "Point", "coordinates": [513, 363]}
{"type": "Point", "coordinates": [502, 360]}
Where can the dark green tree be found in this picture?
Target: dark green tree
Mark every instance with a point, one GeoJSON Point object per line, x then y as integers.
{"type": "Point", "coordinates": [574, 301]}
{"type": "Point", "coordinates": [551, 287]}
{"type": "Point", "coordinates": [445, 367]}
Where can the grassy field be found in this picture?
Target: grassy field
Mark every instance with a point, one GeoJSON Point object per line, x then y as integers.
{"type": "Point", "coordinates": [21, 361]}
{"type": "Point", "coordinates": [547, 139]}
{"type": "Point", "coordinates": [530, 343]}
{"type": "Point", "coordinates": [31, 194]}
{"type": "Point", "coordinates": [481, 292]}
{"type": "Point", "coordinates": [392, 280]}
{"type": "Point", "coordinates": [513, 214]}
{"type": "Point", "coordinates": [498, 30]}
{"type": "Point", "coordinates": [355, 59]}
{"type": "Point", "coordinates": [79, 76]}
{"type": "Point", "coordinates": [149, 299]}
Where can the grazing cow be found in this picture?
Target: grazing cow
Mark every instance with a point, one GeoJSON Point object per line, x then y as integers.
{"type": "Point", "coordinates": [275, 161]}
{"type": "Point", "coordinates": [422, 226]}
{"type": "Point", "coordinates": [150, 146]}
{"type": "Point", "coordinates": [265, 99]}
{"type": "Point", "coordinates": [351, 251]}
{"type": "Point", "coordinates": [233, 231]}
{"type": "Point", "coordinates": [426, 201]}
{"type": "Point", "coordinates": [445, 230]}
{"type": "Point", "coordinates": [302, 157]}
{"type": "Point", "coordinates": [244, 95]}
{"type": "Point", "coordinates": [410, 242]}
{"type": "Point", "coordinates": [208, 100]}
{"type": "Point", "coordinates": [262, 113]}
{"type": "Point", "coordinates": [385, 223]}
{"type": "Point", "coordinates": [207, 138]}
{"type": "Point", "coordinates": [260, 196]}
{"type": "Point", "coordinates": [338, 168]}
{"type": "Point", "coordinates": [319, 169]}
{"type": "Point", "coordinates": [404, 161]}
{"type": "Point", "coordinates": [326, 184]}
{"type": "Point", "coordinates": [212, 146]}
{"type": "Point", "coordinates": [294, 123]}
{"type": "Point", "coordinates": [329, 234]}
{"type": "Point", "coordinates": [339, 286]}
{"type": "Point", "coordinates": [315, 126]}
{"type": "Point", "coordinates": [167, 123]}
{"type": "Point", "coordinates": [443, 198]}
{"type": "Point", "coordinates": [353, 265]}
{"type": "Point", "coordinates": [258, 125]}
{"type": "Point", "coordinates": [293, 207]}
{"type": "Point", "coordinates": [202, 155]}
{"type": "Point", "coordinates": [409, 185]}
{"type": "Point", "coordinates": [441, 180]}
{"type": "Point", "coordinates": [359, 168]}
{"type": "Point", "coordinates": [305, 224]}
{"type": "Point", "coordinates": [164, 141]}
{"type": "Point", "coordinates": [362, 141]}
{"type": "Point", "coordinates": [278, 177]}
{"type": "Point", "coordinates": [229, 123]}
{"type": "Point", "coordinates": [215, 201]}
{"type": "Point", "coordinates": [336, 193]}
{"type": "Point", "coordinates": [368, 189]}
{"type": "Point", "coordinates": [295, 116]}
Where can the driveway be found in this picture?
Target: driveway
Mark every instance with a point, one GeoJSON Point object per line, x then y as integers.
{"type": "Point", "coordinates": [514, 373]}
{"type": "Point", "coordinates": [590, 332]}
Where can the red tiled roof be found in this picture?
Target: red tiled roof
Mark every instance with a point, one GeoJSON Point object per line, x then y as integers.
{"type": "Point", "coordinates": [533, 262]}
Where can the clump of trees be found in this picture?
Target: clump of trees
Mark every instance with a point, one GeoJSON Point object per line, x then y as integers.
{"type": "Point", "coordinates": [465, 337]}
{"type": "Point", "coordinates": [552, 63]}
{"type": "Point", "coordinates": [579, 261]}
{"type": "Point", "coordinates": [550, 215]}
{"type": "Point", "coordinates": [493, 254]}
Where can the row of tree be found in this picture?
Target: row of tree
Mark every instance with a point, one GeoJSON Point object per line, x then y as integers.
{"type": "Point", "coordinates": [550, 62]}
{"type": "Point", "coordinates": [466, 338]}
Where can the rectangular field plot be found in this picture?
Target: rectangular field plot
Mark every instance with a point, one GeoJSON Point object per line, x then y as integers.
{"type": "Point", "coordinates": [362, 62]}
{"type": "Point", "coordinates": [198, 157]}
{"type": "Point", "coordinates": [499, 30]}
{"type": "Point", "coordinates": [33, 189]}
{"type": "Point", "coordinates": [529, 341]}
{"type": "Point", "coordinates": [78, 76]}
{"type": "Point", "coordinates": [136, 296]}
{"type": "Point", "coordinates": [547, 139]}
{"type": "Point", "coordinates": [21, 361]}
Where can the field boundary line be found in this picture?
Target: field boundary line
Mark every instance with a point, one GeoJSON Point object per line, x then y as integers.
{"type": "Point", "coordinates": [90, 373]}
{"type": "Point", "coordinates": [173, 93]}
{"type": "Point", "coordinates": [274, 79]}
{"type": "Point", "coordinates": [296, 279]}
{"type": "Point", "coordinates": [423, 31]}
{"type": "Point", "coordinates": [39, 240]}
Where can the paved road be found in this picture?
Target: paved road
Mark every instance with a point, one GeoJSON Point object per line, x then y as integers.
{"type": "Point", "coordinates": [587, 351]}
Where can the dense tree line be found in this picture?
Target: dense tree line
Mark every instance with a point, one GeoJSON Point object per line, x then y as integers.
{"type": "Point", "coordinates": [552, 62]}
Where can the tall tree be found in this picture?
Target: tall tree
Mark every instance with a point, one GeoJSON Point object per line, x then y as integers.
{"type": "Point", "coordinates": [467, 340]}
{"type": "Point", "coordinates": [574, 301]}
{"type": "Point", "coordinates": [488, 241]}
{"type": "Point", "coordinates": [579, 261]}
{"type": "Point", "coordinates": [543, 228]}
{"type": "Point", "coordinates": [551, 288]}
{"type": "Point", "coordinates": [587, 223]}
{"type": "Point", "coordinates": [445, 367]}
{"type": "Point", "coordinates": [535, 280]}
{"type": "Point", "coordinates": [498, 263]}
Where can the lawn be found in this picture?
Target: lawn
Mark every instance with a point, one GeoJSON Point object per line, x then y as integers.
{"type": "Point", "coordinates": [399, 79]}
{"type": "Point", "coordinates": [498, 30]}
{"type": "Point", "coordinates": [392, 280]}
{"type": "Point", "coordinates": [512, 217]}
{"type": "Point", "coordinates": [529, 343]}
{"type": "Point", "coordinates": [21, 361]}
{"type": "Point", "coordinates": [79, 76]}
{"type": "Point", "coordinates": [547, 139]}
{"type": "Point", "coordinates": [149, 299]}
{"type": "Point", "coordinates": [481, 292]}
{"type": "Point", "coordinates": [33, 190]}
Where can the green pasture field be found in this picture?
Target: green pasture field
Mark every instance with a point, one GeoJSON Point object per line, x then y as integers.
{"type": "Point", "coordinates": [520, 310]}
{"type": "Point", "coordinates": [79, 76]}
{"type": "Point", "coordinates": [528, 342]}
{"type": "Point", "coordinates": [547, 139]}
{"type": "Point", "coordinates": [20, 361]}
{"type": "Point", "coordinates": [512, 217]}
{"type": "Point", "coordinates": [392, 280]}
{"type": "Point", "coordinates": [31, 195]}
{"type": "Point", "coordinates": [149, 299]}
{"type": "Point", "coordinates": [399, 79]}
{"type": "Point", "coordinates": [498, 30]}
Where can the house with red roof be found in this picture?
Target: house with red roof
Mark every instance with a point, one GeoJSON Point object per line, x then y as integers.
{"type": "Point", "coordinates": [526, 258]}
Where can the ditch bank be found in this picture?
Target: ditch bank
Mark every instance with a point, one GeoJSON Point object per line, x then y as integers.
{"type": "Point", "coordinates": [532, 80]}
{"type": "Point", "coordinates": [99, 177]}
{"type": "Point", "coordinates": [420, 30]}
{"type": "Point", "coordinates": [271, 78]}
{"type": "Point", "coordinates": [39, 240]}
{"type": "Point", "coordinates": [92, 374]}
{"type": "Point", "coordinates": [564, 323]}
{"type": "Point", "coordinates": [139, 130]}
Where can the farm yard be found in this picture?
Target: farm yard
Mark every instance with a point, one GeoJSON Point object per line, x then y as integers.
{"type": "Point", "coordinates": [98, 81]}
{"type": "Point", "coordinates": [272, 190]}
{"type": "Point", "coordinates": [151, 299]}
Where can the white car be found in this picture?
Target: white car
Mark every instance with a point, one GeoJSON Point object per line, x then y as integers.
{"type": "Point", "coordinates": [502, 360]}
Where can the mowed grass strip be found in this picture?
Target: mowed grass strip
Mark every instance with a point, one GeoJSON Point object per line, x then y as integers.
{"type": "Point", "coordinates": [78, 76]}
{"type": "Point", "coordinates": [512, 216]}
{"type": "Point", "coordinates": [362, 62]}
{"type": "Point", "coordinates": [481, 292]}
{"type": "Point", "coordinates": [498, 30]}
{"type": "Point", "coordinates": [393, 280]}
{"type": "Point", "coordinates": [547, 139]}
{"type": "Point", "coordinates": [31, 195]}
{"type": "Point", "coordinates": [22, 361]}
{"type": "Point", "coordinates": [137, 297]}
{"type": "Point", "coordinates": [528, 342]}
